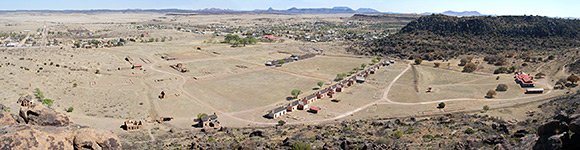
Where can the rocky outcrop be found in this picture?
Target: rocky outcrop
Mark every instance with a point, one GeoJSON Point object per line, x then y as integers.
{"type": "Point", "coordinates": [95, 139]}
{"type": "Point", "coordinates": [44, 116]}
{"type": "Point", "coordinates": [43, 128]}
{"type": "Point", "coordinates": [554, 134]}
{"type": "Point", "coordinates": [6, 118]}
{"type": "Point", "coordinates": [23, 136]}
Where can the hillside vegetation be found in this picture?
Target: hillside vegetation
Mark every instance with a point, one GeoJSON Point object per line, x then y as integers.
{"type": "Point", "coordinates": [441, 37]}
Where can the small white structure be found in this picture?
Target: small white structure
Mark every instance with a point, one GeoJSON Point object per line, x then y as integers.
{"type": "Point", "coordinates": [277, 112]}
{"type": "Point", "coordinates": [535, 91]}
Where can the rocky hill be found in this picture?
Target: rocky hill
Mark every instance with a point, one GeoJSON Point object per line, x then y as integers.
{"type": "Point", "coordinates": [552, 128]}
{"type": "Point", "coordinates": [401, 19]}
{"type": "Point", "coordinates": [39, 127]}
{"type": "Point", "coordinates": [445, 36]}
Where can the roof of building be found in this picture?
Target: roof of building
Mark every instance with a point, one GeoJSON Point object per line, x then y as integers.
{"type": "Point", "coordinates": [314, 108]}
{"type": "Point", "coordinates": [534, 90]}
{"type": "Point", "coordinates": [310, 96]}
{"type": "Point", "coordinates": [278, 109]}
{"type": "Point", "coordinates": [270, 37]}
{"type": "Point", "coordinates": [294, 103]}
{"type": "Point", "coordinates": [323, 91]}
{"type": "Point", "coordinates": [524, 78]}
{"type": "Point", "coordinates": [359, 78]}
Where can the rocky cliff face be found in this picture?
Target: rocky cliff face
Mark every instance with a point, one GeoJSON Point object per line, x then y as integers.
{"type": "Point", "coordinates": [39, 127]}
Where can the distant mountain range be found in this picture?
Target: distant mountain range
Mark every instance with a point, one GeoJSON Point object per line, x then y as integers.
{"type": "Point", "coordinates": [458, 14]}
{"type": "Point", "coordinates": [294, 10]}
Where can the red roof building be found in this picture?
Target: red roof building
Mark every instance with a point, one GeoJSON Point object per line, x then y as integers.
{"type": "Point", "coordinates": [314, 109]}
{"type": "Point", "coordinates": [524, 80]}
{"type": "Point", "coordinates": [271, 37]}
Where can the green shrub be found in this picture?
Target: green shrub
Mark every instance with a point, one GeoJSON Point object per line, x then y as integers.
{"type": "Point", "coordinates": [469, 131]}
{"type": "Point", "coordinates": [281, 122]}
{"type": "Point", "coordinates": [441, 105]}
{"type": "Point", "coordinates": [501, 87]}
{"type": "Point", "coordinates": [418, 61]}
{"type": "Point", "coordinates": [490, 94]}
{"type": "Point", "coordinates": [398, 134]}
{"type": "Point", "coordinates": [39, 94]}
{"type": "Point", "coordinates": [469, 67]}
{"type": "Point", "coordinates": [47, 102]}
{"type": "Point", "coordinates": [486, 108]}
{"type": "Point", "coordinates": [301, 146]}
{"type": "Point", "coordinates": [500, 70]}
{"type": "Point", "coordinates": [70, 109]}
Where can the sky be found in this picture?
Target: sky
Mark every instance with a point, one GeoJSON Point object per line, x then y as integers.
{"type": "Point", "coordinates": [552, 8]}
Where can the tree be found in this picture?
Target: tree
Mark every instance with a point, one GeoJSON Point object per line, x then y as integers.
{"type": "Point", "coordinates": [437, 64]}
{"type": "Point", "coordinates": [463, 61]}
{"type": "Point", "coordinates": [374, 60]}
{"type": "Point", "coordinates": [295, 93]}
{"type": "Point", "coordinates": [441, 105]}
{"type": "Point", "coordinates": [573, 78]}
{"type": "Point", "coordinates": [340, 76]}
{"type": "Point", "coordinates": [486, 108]}
{"type": "Point", "coordinates": [418, 61]}
{"type": "Point", "coordinates": [320, 84]}
{"type": "Point", "coordinates": [97, 71]}
{"type": "Point", "coordinates": [231, 38]}
{"type": "Point", "coordinates": [501, 87]}
{"type": "Point", "coordinates": [200, 115]}
{"type": "Point", "coordinates": [512, 69]}
{"type": "Point", "coordinates": [469, 67]}
{"type": "Point", "coordinates": [355, 69]}
{"type": "Point", "coordinates": [540, 75]}
{"type": "Point", "coordinates": [281, 122]}
{"type": "Point", "coordinates": [301, 146]}
{"type": "Point", "coordinates": [379, 58]}
{"type": "Point", "coordinates": [281, 62]}
{"type": "Point", "coordinates": [70, 109]}
{"type": "Point", "coordinates": [500, 70]}
{"type": "Point", "coordinates": [490, 94]}
{"type": "Point", "coordinates": [363, 65]}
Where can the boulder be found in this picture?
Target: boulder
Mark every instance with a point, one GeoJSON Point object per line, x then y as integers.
{"type": "Point", "coordinates": [6, 118]}
{"type": "Point", "coordinates": [500, 128]}
{"type": "Point", "coordinates": [346, 144]}
{"type": "Point", "coordinates": [328, 146]}
{"type": "Point", "coordinates": [575, 125]}
{"type": "Point", "coordinates": [554, 142]}
{"type": "Point", "coordinates": [259, 133]}
{"type": "Point", "coordinates": [288, 142]}
{"type": "Point", "coordinates": [520, 133]}
{"type": "Point", "coordinates": [44, 116]}
{"type": "Point", "coordinates": [494, 139]}
{"type": "Point", "coordinates": [24, 136]}
{"type": "Point", "coordinates": [552, 127]}
{"type": "Point", "coordinates": [95, 139]}
{"type": "Point", "coordinates": [562, 116]}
